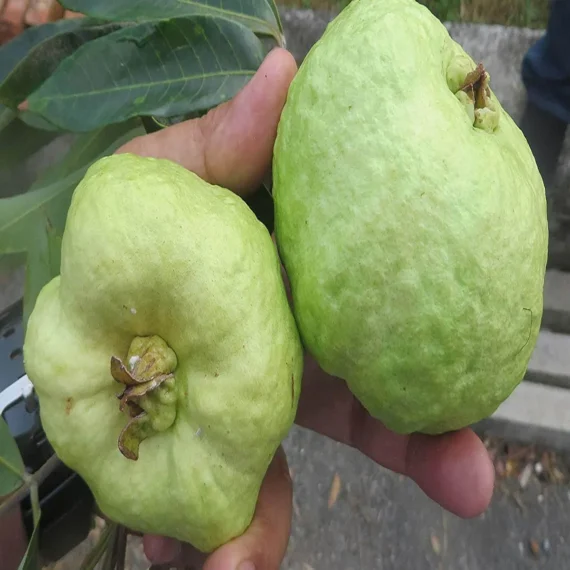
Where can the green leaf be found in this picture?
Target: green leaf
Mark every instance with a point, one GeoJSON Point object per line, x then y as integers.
{"type": "Point", "coordinates": [11, 464]}
{"type": "Point", "coordinates": [31, 560]}
{"type": "Point", "coordinates": [105, 541]}
{"type": "Point", "coordinates": [275, 10]}
{"type": "Point", "coordinates": [163, 68]}
{"type": "Point", "coordinates": [33, 223]}
{"type": "Point", "coordinates": [29, 59]}
{"type": "Point", "coordinates": [261, 16]}
{"type": "Point", "coordinates": [10, 263]}
{"type": "Point", "coordinates": [43, 261]}
{"type": "Point", "coordinates": [37, 121]}
{"type": "Point", "coordinates": [6, 116]}
{"type": "Point", "coordinates": [19, 141]}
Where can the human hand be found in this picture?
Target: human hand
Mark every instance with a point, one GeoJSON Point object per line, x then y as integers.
{"type": "Point", "coordinates": [232, 146]}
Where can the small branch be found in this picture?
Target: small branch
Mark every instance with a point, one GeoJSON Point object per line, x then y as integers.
{"type": "Point", "coordinates": [38, 478]}
{"type": "Point", "coordinates": [35, 500]}
{"type": "Point", "coordinates": [10, 467]}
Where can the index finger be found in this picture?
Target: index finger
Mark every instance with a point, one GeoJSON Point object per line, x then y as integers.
{"type": "Point", "coordinates": [453, 469]}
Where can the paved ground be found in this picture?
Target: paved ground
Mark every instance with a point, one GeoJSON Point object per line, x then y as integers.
{"type": "Point", "coordinates": [383, 521]}
{"type": "Point", "coordinates": [350, 514]}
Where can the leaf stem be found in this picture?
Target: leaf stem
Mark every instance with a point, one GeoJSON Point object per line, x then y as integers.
{"type": "Point", "coordinates": [11, 468]}
{"type": "Point", "coordinates": [36, 478]}
{"type": "Point", "coordinates": [95, 554]}
{"type": "Point", "coordinates": [35, 500]}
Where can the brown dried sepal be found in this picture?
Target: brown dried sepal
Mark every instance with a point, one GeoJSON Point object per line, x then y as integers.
{"type": "Point", "coordinates": [476, 85]}
{"type": "Point", "coordinates": [121, 373]}
{"type": "Point", "coordinates": [131, 393]}
{"type": "Point", "coordinates": [136, 388]}
{"type": "Point", "coordinates": [136, 431]}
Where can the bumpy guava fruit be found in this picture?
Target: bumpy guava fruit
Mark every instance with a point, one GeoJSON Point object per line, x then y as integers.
{"type": "Point", "coordinates": [165, 356]}
{"type": "Point", "coordinates": [411, 220]}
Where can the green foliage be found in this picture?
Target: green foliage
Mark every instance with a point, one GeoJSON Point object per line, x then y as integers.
{"type": "Point", "coordinates": [186, 65]}
{"type": "Point", "coordinates": [31, 558]}
{"type": "Point", "coordinates": [29, 59]}
{"type": "Point", "coordinates": [11, 464]}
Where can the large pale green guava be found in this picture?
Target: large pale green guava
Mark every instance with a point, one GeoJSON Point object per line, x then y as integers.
{"type": "Point", "coordinates": [165, 356]}
{"type": "Point", "coordinates": [411, 219]}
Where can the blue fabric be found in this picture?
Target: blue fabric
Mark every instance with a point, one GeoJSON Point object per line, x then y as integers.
{"type": "Point", "coordinates": [546, 66]}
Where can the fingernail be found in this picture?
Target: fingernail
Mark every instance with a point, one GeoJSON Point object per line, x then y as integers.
{"type": "Point", "coordinates": [247, 565]}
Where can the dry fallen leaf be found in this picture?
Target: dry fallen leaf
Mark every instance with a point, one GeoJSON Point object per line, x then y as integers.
{"type": "Point", "coordinates": [296, 508]}
{"type": "Point", "coordinates": [500, 468]}
{"type": "Point", "coordinates": [557, 475]}
{"type": "Point", "coordinates": [510, 468]}
{"type": "Point", "coordinates": [335, 490]}
{"type": "Point", "coordinates": [524, 476]}
{"type": "Point", "coordinates": [435, 544]}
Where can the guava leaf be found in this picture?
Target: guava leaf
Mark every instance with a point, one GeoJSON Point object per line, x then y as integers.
{"type": "Point", "coordinates": [18, 142]}
{"type": "Point", "coordinates": [9, 263]}
{"type": "Point", "coordinates": [94, 556]}
{"type": "Point", "coordinates": [37, 121]}
{"type": "Point", "coordinates": [33, 223]}
{"type": "Point", "coordinates": [261, 16]}
{"type": "Point", "coordinates": [31, 559]}
{"type": "Point", "coordinates": [6, 116]}
{"type": "Point", "coordinates": [43, 261]}
{"type": "Point", "coordinates": [161, 68]}
{"type": "Point", "coordinates": [30, 58]}
{"type": "Point", "coordinates": [11, 464]}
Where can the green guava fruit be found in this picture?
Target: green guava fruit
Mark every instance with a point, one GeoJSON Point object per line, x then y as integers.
{"type": "Point", "coordinates": [165, 355]}
{"type": "Point", "coordinates": [411, 220]}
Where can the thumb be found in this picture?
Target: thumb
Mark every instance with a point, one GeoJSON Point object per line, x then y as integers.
{"type": "Point", "coordinates": [263, 545]}
{"type": "Point", "coordinates": [232, 145]}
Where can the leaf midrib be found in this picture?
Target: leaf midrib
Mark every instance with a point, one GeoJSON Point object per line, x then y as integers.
{"type": "Point", "coordinates": [137, 85]}
{"type": "Point", "coordinates": [239, 14]}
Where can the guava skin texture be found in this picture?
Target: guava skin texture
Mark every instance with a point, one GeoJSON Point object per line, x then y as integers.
{"type": "Point", "coordinates": [411, 220]}
{"type": "Point", "coordinates": [156, 259]}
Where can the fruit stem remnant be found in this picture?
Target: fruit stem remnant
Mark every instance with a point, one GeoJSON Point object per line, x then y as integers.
{"type": "Point", "coordinates": [149, 396]}
{"type": "Point", "coordinates": [475, 93]}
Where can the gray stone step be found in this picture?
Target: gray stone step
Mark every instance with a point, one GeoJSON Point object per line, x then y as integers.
{"type": "Point", "coordinates": [533, 414]}
{"type": "Point", "coordinates": [556, 315]}
{"type": "Point", "coordinates": [550, 361]}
